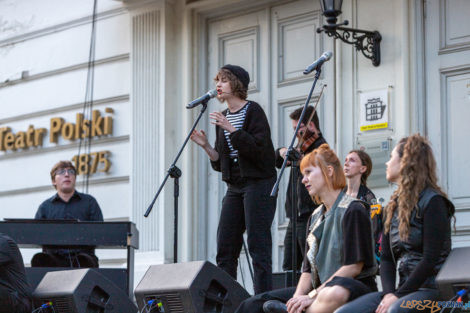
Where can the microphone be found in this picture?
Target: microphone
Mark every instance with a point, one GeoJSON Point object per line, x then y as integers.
{"type": "Point", "coordinates": [318, 63]}
{"type": "Point", "coordinates": [209, 95]}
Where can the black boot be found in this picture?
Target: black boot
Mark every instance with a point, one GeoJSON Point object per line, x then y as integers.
{"type": "Point", "coordinates": [274, 306]}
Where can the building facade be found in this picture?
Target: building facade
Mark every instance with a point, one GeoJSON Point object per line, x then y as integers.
{"type": "Point", "coordinates": [152, 57]}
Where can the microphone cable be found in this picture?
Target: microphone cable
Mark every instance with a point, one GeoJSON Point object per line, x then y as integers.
{"type": "Point", "coordinates": [150, 305]}
{"type": "Point", "coordinates": [45, 306]}
{"type": "Point", "coordinates": [88, 103]}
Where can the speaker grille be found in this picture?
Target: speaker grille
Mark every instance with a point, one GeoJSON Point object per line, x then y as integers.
{"type": "Point", "coordinates": [172, 300]}
{"type": "Point", "coordinates": [61, 305]}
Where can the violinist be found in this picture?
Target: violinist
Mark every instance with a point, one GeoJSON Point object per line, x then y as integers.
{"type": "Point", "coordinates": [309, 138]}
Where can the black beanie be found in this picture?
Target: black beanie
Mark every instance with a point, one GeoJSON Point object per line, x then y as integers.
{"type": "Point", "coordinates": [239, 72]}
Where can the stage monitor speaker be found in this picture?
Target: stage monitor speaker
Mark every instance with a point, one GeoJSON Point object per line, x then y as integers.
{"type": "Point", "coordinates": [81, 291]}
{"type": "Point", "coordinates": [454, 274]}
{"type": "Point", "coordinates": [193, 287]}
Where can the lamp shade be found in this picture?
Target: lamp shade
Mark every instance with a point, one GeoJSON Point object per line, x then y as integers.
{"type": "Point", "coordinates": [331, 9]}
{"type": "Point", "coordinates": [331, 5]}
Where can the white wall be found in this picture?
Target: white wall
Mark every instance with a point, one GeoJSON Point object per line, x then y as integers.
{"type": "Point", "coordinates": [44, 49]}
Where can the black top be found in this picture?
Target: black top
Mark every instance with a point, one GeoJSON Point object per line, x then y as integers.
{"type": "Point", "coordinates": [357, 243]}
{"type": "Point", "coordinates": [357, 240]}
{"type": "Point", "coordinates": [254, 145]}
{"type": "Point", "coordinates": [81, 207]}
{"type": "Point", "coordinates": [365, 194]}
{"type": "Point", "coordinates": [435, 224]}
{"type": "Point", "coordinates": [305, 204]}
{"type": "Point", "coordinates": [12, 272]}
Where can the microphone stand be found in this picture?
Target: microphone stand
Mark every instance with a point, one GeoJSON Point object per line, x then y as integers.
{"type": "Point", "coordinates": [175, 173]}
{"type": "Point", "coordinates": [275, 189]}
{"type": "Point", "coordinates": [294, 178]}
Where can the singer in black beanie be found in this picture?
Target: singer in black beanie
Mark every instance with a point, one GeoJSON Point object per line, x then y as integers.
{"type": "Point", "coordinates": [240, 73]}
{"type": "Point", "coordinates": [244, 154]}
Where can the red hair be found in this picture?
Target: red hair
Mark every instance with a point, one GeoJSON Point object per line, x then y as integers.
{"type": "Point", "coordinates": [323, 157]}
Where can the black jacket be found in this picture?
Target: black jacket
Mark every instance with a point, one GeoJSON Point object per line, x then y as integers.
{"type": "Point", "coordinates": [365, 194]}
{"type": "Point", "coordinates": [305, 204]}
{"type": "Point", "coordinates": [254, 145]}
{"type": "Point", "coordinates": [410, 252]}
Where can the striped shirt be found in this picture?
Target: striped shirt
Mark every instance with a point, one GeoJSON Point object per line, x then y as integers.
{"type": "Point", "coordinates": [236, 119]}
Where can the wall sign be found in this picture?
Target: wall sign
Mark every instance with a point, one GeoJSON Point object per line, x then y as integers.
{"type": "Point", "coordinates": [98, 126]}
{"type": "Point", "coordinates": [374, 110]}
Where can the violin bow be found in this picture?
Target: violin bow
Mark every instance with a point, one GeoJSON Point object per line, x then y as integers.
{"type": "Point", "coordinates": [302, 139]}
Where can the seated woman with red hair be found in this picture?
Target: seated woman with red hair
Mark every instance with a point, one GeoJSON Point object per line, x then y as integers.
{"type": "Point", "coordinates": [339, 265]}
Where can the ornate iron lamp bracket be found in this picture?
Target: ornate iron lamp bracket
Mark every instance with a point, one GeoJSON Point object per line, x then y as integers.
{"type": "Point", "coordinates": [368, 42]}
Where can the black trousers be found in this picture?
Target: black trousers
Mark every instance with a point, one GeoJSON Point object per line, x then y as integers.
{"type": "Point", "coordinates": [301, 232]}
{"type": "Point", "coordinates": [369, 302]}
{"type": "Point", "coordinates": [255, 303]}
{"type": "Point", "coordinates": [12, 303]}
{"type": "Point", "coordinates": [247, 205]}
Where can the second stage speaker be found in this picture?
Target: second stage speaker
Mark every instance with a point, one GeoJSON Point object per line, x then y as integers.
{"type": "Point", "coordinates": [81, 291]}
{"type": "Point", "coordinates": [454, 274]}
{"type": "Point", "coordinates": [193, 287]}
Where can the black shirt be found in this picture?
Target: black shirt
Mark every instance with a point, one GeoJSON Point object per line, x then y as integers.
{"type": "Point", "coordinates": [81, 206]}
{"type": "Point", "coordinates": [12, 272]}
{"type": "Point", "coordinates": [357, 239]}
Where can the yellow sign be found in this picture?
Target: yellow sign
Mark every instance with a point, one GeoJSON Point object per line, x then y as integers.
{"type": "Point", "coordinates": [374, 126]}
{"type": "Point", "coordinates": [374, 109]}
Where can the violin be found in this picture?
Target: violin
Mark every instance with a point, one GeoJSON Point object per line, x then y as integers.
{"type": "Point", "coordinates": [307, 139]}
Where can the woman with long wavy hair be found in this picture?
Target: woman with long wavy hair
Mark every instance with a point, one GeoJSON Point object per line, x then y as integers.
{"type": "Point", "coordinates": [417, 231]}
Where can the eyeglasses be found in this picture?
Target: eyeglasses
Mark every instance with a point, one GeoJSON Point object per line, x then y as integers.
{"type": "Point", "coordinates": [63, 171]}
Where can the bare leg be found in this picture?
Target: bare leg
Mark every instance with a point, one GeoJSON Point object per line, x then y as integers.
{"type": "Point", "coordinates": [329, 299]}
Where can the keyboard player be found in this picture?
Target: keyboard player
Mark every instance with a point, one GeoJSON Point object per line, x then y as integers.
{"type": "Point", "coordinates": [67, 204]}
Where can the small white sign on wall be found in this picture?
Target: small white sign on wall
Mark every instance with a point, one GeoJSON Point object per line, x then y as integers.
{"type": "Point", "coordinates": [374, 110]}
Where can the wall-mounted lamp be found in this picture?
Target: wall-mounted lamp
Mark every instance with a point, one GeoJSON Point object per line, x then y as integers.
{"type": "Point", "coordinates": [368, 42]}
